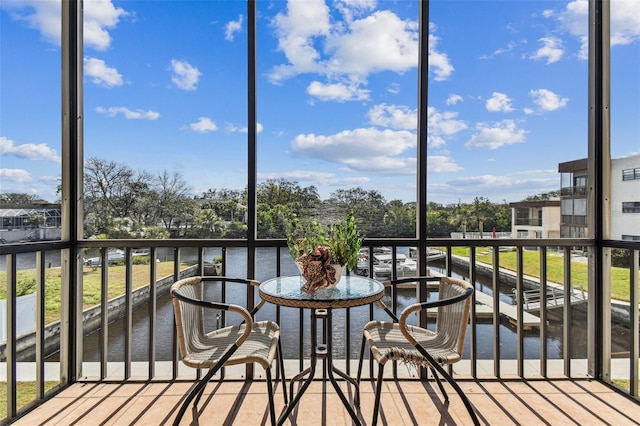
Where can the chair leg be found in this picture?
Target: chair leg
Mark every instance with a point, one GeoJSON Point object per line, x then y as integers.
{"type": "Point", "coordinates": [272, 409]}
{"type": "Point", "coordinates": [281, 369]}
{"type": "Point", "coordinates": [460, 393]}
{"type": "Point", "coordinates": [197, 390]}
{"type": "Point", "coordinates": [376, 404]}
{"type": "Point", "coordinates": [435, 374]}
{"type": "Point", "coordinates": [361, 361]}
{"type": "Point", "coordinates": [199, 395]}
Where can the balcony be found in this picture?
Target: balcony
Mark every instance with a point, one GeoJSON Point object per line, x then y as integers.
{"type": "Point", "coordinates": [528, 221]}
{"type": "Point", "coordinates": [245, 403]}
{"type": "Point", "coordinates": [134, 377]}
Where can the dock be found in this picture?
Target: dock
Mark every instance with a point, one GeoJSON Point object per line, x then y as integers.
{"type": "Point", "coordinates": [484, 309]}
{"type": "Point", "coordinates": [554, 298]}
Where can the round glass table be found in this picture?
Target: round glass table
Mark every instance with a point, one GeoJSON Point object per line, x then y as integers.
{"type": "Point", "coordinates": [351, 291]}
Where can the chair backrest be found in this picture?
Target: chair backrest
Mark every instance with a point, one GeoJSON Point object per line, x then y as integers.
{"type": "Point", "coordinates": [189, 317]}
{"type": "Point", "coordinates": [452, 319]}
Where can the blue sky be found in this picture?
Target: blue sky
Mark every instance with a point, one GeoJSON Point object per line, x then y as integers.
{"type": "Point", "coordinates": [165, 89]}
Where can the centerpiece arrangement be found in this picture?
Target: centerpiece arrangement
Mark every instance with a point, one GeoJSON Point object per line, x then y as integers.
{"type": "Point", "coordinates": [321, 255]}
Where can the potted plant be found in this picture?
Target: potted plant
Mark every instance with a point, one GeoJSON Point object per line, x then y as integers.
{"type": "Point", "coordinates": [322, 254]}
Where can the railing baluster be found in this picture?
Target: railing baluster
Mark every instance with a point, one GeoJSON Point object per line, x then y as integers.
{"type": "Point", "coordinates": [473, 350]}
{"type": "Point", "coordinates": [104, 310]}
{"type": "Point", "coordinates": [128, 314]}
{"type": "Point", "coordinates": [40, 294]}
{"type": "Point", "coordinates": [11, 262]}
{"type": "Point", "coordinates": [496, 312]}
{"type": "Point", "coordinates": [566, 330]}
{"type": "Point", "coordinates": [153, 307]}
{"type": "Point", "coordinates": [635, 321]}
{"type": "Point", "coordinates": [543, 311]}
{"type": "Point", "coordinates": [519, 312]}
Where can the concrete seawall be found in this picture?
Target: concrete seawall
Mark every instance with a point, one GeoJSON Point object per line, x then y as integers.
{"type": "Point", "coordinates": [26, 343]}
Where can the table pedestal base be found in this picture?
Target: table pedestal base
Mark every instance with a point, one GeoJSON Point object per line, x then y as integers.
{"type": "Point", "coordinates": [324, 352]}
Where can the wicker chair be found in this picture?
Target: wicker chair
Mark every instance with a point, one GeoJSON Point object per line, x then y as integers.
{"type": "Point", "coordinates": [399, 341]}
{"type": "Point", "coordinates": [248, 342]}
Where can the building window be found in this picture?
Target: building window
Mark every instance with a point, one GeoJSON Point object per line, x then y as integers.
{"type": "Point", "coordinates": [631, 207]}
{"type": "Point", "coordinates": [631, 174]}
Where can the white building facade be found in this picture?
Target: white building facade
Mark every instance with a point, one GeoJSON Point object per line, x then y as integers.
{"type": "Point", "coordinates": [625, 198]}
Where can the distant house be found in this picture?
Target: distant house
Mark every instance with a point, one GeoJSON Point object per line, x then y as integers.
{"type": "Point", "coordinates": [625, 198]}
{"type": "Point", "coordinates": [17, 216]}
{"type": "Point", "coordinates": [16, 222]}
{"type": "Point", "coordinates": [535, 219]}
{"type": "Point", "coordinates": [567, 217]}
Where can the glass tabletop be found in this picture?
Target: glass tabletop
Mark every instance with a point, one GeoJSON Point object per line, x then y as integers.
{"type": "Point", "coordinates": [352, 290]}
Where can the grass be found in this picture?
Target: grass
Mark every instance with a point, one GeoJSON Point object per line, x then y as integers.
{"type": "Point", "coordinates": [26, 392]}
{"type": "Point", "coordinates": [26, 282]}
{"type": "Point", "coordinates": [555, 269]}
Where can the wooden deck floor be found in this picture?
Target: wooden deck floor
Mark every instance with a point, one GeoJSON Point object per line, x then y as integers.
{"type": "Point", "coordinates": [539, 402]}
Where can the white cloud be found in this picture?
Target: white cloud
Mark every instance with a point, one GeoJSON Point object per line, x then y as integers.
{"type": "Point", "coordinates": [203, 125]}
{"type": "Point", "coordinates": [394, 88]}
{"type": "Point", "coordinates": [512, 186]}
{"type": "Point", "coordinates": [499, 102]}
{"type": "Point", "coordinates": [351, 8]}
{"type": "Point", "coordinates": [101, 73]}
{"type": "Point", "coordinates": [99, 16]}
{"type": "Point", "coordinates": [44, 16]}
{"type": "Point", "coordinates": [625, 22]}
{"type": "Point", "coordinates": [16, 175]}
{"type": "Point", "coordinates": [295, 31]}
{"type": "Point", "coordinates": [28, 151]}
{"type": "Point", "coordinates": [442, 164]}
{"type": "Point", "coordinates": [128, 114]}
{"type": "Point", "coordinates": [232, 128]}
{"type": "Point", "coordinates": [370, 149]}
{"type": "Point", "coordinates": [379, 42]}
{"type": "Point", "coordinates": [351, 49]}
{"type": "Point", "coordinates": [500, 134]}
{"type": "Point", "coordinates": [185, 76]}
{"type": "Point", "coordinates": [439, 60]}
{"type": "Point", "coordinates": [232, 28]}
{"type": "Point", "coordinates": [501, 51]}
{"type": "Point", "coordinates": [393, 116]}
{"type": "Point", "coordinates": [441, 124]}
{"type": "Point", "coordinates": [454, 99]}
{"type": "Point", "coordinates": [337, 92]}
{"type": "Point", "coordinates": [551, 50]}
{"type": "Point", "coordinates": [547, 100]}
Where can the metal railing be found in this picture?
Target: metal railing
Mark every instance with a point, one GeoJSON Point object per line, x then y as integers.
{"type": "Point", "coordinates": [471, 259]}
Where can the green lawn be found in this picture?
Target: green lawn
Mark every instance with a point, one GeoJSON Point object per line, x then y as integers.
{"type": "Point", "coordinates": [26, 392]}
{"type": "Point", "coordinates": [555, 269]}
{"type": "Point", "coordinates": [26, 280]}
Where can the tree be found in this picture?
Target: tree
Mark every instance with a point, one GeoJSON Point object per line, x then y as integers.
{"type": "Point", "coordinates": [543, 196]}
{"type": "Point", "coordinates": [13, 199]}
{"type": "Point", "coordinates": [111, 190]}
{"type": "Point", "coordinates": [172, 199]}
{"type": "Point", "coordinates": [37, 219]}
{"type": "Point", "coordinates": [369, 208]}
